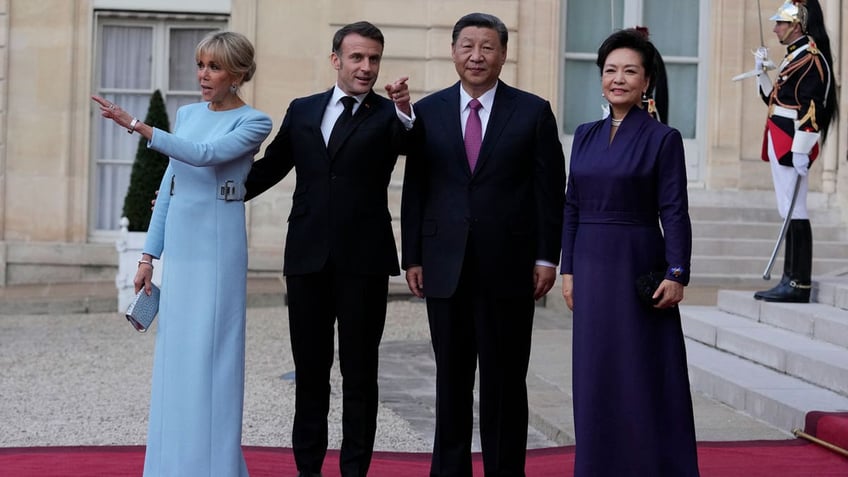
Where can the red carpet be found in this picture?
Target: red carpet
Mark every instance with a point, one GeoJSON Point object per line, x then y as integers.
{"type": "Point", "coordinates": [787, 458]}
{"type": "Point", "coordinates": [795, 458]}
{"type": "Point", "coordinates": [828, 426]}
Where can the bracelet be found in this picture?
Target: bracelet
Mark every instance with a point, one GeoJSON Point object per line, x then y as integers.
{"type": "Point", "coordinates": [147, 262]}
{"type": "Point", "coordinates": [131, 129]}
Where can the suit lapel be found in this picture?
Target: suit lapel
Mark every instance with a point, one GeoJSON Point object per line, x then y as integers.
{"type": "Point", "coordinates": [502, 109]}
{"type": "Point", "coordinates": [452, 123]}
{"type": "Point", "coordinates": [366, 109]}
{"type": "Point", "coordinates": [312, 113]}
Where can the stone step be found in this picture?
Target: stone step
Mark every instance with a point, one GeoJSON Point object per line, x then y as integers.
{"type": "Point", "coordinates": [814, 320]}
{"type": "Point", "coordinates": [832, 291]}
{"type": "Point", "coordinates": [744, 213]}
{"type": "Point", "coordinates": [819, 363]}
{"type": "Point", "coordinates": [760, 230]}
{"type": "Point", "coordinates": [733, 246]}
{"type": "Point", "coordinates": [750, 199]}
{"type": "Point", "coordinates": [755, 265]}
{"type": "Point", "coordinates": [733, 280]}
{"type": "Point", "coordinates": [776, 398]}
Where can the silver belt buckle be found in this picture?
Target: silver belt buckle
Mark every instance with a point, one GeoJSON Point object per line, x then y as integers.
{"type": "Point", "coordinates": [230, 191]}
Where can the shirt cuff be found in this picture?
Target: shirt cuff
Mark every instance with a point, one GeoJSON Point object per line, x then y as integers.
{"type": "Point", "coordinates": [407, 121]}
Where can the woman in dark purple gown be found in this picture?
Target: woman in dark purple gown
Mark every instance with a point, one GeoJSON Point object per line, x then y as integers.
{"type": "Point", "coordinates": [626, 214]}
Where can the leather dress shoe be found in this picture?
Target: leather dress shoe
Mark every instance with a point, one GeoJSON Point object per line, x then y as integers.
{"type": "Point", "coordinates": [308, 474]}
{"type": "Point", "coordinates": [789, 292]}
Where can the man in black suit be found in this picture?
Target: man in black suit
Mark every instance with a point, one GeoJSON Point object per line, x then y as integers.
{"type": "Point", "coordinates": [481, 221]}
{"type": "Point", "coordinates": [340, 249]}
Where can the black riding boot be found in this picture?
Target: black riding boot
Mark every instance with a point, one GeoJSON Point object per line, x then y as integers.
{"type": "Point", "coordinates": [787, 268]}
{"type": "Point", "coordinates": [797, 289]}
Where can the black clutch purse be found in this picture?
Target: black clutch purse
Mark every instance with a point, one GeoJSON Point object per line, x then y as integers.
{"type": "Point", "coordinates": [646, 286]}
{"type": "Point", "coordinates": [143, 309]}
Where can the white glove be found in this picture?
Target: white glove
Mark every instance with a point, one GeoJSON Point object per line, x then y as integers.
{"type": "Point", "coordinates": [801, 162]}
{"type": "Point", "coordinates": [762, 61]}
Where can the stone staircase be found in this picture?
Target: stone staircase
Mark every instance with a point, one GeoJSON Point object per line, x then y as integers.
{"type": "Point", "coordinates": [734, 233]}
{"type": "Point", "coordinates": [774, 361]}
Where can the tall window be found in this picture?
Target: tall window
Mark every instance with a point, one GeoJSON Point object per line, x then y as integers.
{"type": "Point", "coordinates": [136, 55]}
{"type": "Point", "coordinates": [676, 28]}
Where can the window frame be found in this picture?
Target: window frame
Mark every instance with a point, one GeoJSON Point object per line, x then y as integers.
{"type": "Point", "coordinates": [161, 25]}
{"type": "Point", "coordinates": [632, 15]}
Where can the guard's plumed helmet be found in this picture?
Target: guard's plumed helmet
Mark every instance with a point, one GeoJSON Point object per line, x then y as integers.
{"type": "Point", "coordinates": [792, 12]}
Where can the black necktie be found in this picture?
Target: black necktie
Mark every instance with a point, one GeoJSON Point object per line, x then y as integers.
{"type": "Point", "coordinates": [342, 123]}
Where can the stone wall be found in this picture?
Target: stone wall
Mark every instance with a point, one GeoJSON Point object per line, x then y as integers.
{"type": "Point", "coordinates": [46, 174]}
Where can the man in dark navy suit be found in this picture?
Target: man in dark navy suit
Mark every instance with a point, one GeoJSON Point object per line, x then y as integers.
{"type": "Point", "coordinates": [481, 221]}
{"type": "Point", "coordinates": [340, 248]}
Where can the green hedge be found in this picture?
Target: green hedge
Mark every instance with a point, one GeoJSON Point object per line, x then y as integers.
{"type": "Point", "coordinates": [147, 169]}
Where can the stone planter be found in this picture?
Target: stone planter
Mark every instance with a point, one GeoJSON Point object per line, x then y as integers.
{"type": "Point", "coordinates": [129, 246]}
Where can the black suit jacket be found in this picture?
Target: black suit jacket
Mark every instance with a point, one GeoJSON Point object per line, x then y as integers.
{"type": "Point", "coordinates": [340, 204]}
{"type": "Point", "coordinates": [508, 213]}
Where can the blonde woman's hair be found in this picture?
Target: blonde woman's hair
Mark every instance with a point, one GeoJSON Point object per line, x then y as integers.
{"type": "Point", "coordinates": [232, 50]}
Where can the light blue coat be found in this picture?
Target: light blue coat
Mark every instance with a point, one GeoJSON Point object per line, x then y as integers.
{"type": "Point", "coordinates": [198, 370]}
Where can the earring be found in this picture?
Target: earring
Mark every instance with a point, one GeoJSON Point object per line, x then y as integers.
{"type": "Point", "coordinates": [652, 106]}
{"type": "Point", "coordinates": [233, 88]}
{"type": "Point", "coordinates": [644, 96]}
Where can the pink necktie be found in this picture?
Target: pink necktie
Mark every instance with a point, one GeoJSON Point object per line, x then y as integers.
{"type": "Point", "coordinates": [473, 134]}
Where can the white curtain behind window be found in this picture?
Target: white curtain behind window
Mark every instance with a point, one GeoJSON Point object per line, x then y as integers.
{"type": "Point", "coordinates": [182, 68]}
{"type": "Point", "coordinates": [125, 62]}
{"type": "Point", "coordinates": [132, 64]}
{"type": "Point", "coordinates": [679, 47]}
{"type": "Point", "coordinates": [587, 24]}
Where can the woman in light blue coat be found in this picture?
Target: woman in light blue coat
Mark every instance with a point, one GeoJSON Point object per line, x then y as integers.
{"type": "Point", "coordinates": [199, 222]}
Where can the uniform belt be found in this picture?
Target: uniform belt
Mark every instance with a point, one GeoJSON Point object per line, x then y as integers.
{"type": "Point", "coordinates": [784, 112]}
{"type": "Point", "coordinates": [231, 190]}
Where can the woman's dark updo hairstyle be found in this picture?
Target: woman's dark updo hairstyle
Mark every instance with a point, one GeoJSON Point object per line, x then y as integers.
{"type": "Point", "coordinates": [636, 39]}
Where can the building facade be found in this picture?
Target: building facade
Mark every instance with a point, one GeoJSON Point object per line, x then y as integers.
{"type": "Point", "coordinates": [64, 170]}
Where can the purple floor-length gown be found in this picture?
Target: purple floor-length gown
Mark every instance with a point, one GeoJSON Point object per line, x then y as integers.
{"type": "Point", "coordinates": [632, 405]}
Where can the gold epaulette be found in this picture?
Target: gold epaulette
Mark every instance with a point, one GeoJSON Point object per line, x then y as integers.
{"type": "Point", "coordinates": [813, 48]}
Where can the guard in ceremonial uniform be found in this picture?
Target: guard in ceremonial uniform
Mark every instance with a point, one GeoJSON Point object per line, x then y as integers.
{"type": "Point", "coordinates": [801, 103]}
